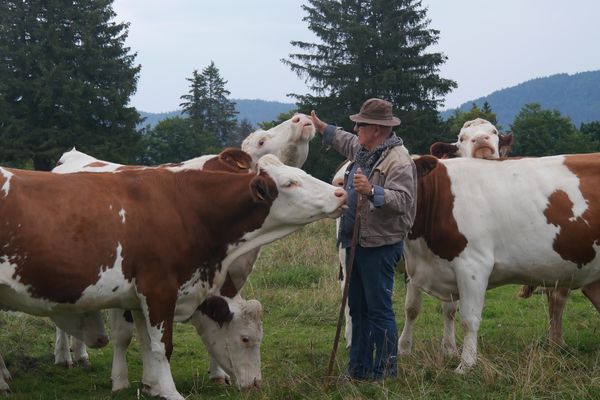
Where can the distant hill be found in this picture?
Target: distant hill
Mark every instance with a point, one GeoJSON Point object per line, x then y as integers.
{"type": "Point", "coordinates": [254, 110]}
{"type": "Point", "coordinates": [576, 96]}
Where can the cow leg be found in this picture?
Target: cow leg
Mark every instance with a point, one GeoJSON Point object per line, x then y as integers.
{"type": "Point", "coordinates": [157, 345]}
{"type": "Point", "coordinates": [412, 308]}
{"type": "Point", "coordinates": [471, 288]}
{"type": "Point", "coordinates": [80, 354]}
{"type": "Point", "coordinates": [592, 292]}
{"type": "Point", "coordinates": [121, 334]}
{"type": "Point", "coordinates": [4, 377]}
{"type": "Point", "coordinates": [557, 298]}
{"type": "Point", "coordinates": [62, 352]}
{"type": "Point", "coordinates": [217, 374]}
{"type": "Point", "coordinates": [449, 340]}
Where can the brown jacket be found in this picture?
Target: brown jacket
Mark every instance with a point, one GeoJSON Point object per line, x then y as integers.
{"type": "Point", "coordinates": [395, 171]}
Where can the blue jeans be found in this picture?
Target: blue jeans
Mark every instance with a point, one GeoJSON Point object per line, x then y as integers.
{"type": "Point", "coordinates": [374, 330]}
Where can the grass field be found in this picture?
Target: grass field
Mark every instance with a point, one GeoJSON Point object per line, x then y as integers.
{"type": "Point", "coordinates": [296, 281]}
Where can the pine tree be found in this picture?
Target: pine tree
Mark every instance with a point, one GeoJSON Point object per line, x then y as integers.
{"type": "Point", "coordinates": [243, 129]}
{"type": "Point", "coordinates": [371, 49]}
{"type": "Point", "coordinates": [66, 77]}
{"type": "Point", "coordinates": [208, 106]}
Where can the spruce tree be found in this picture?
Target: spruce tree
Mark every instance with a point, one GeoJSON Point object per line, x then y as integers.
{"type": "Point", "coordinates": [208, 107]}
{"type": "Point", "coordinates": [66, 78]}
{"type": "Point", "coordinates": [371, 49]}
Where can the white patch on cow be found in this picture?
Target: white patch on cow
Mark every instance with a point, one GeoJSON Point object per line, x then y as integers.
{"type": "Point", "coordinates": [122, 214]}
{"type": "Point", "coordinates": [8, 176]}
{"type": "Point", "coordinates": [193, 292]}
{"type": "Point", "coordinates": [193, 164]}
{"type": "Point", "coordinates": [110, 206]}
{"type": "Point", "coordinates": [14, 294]}
{"type": "Point", "coordinates": [111, 284]}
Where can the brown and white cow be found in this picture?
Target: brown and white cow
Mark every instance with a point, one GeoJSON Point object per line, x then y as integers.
{"type": "Point", "coordinates": [81, 242]}
{"type": "Point", "coordinates": [230, 328]}
{"type": "Point", "coordinates": [477, 138]}
{"type": "Point", "coordinates": [289, 141]}
{"type": "Point", "coordinates": [482, 224]}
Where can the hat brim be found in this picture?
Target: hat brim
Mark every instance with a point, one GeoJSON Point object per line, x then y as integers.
{"type": "Point", "coordinates": [386, 122]}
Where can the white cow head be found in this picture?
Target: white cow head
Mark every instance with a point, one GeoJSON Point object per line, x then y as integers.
{"type": "Point", "coordinates": [288, 141]}
{"type": "Point", "coordinates": [477, 139]}
{"type": "Point", "coordinates": [232, 331]}
{"type": "Point", "coordinates": [297, 199]}
{"type": "Point", "coordinates": [310, 198]}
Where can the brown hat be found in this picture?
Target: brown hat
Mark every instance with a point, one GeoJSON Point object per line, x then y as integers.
{"type": "Point", "coordinates": [376, 112]}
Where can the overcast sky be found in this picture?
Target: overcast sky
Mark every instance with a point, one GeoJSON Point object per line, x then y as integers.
{"type": "Point", "coordinates": [490, 45]}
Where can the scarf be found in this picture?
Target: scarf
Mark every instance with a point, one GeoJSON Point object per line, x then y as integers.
{"type": "Point", "coordinates": [366, 159]}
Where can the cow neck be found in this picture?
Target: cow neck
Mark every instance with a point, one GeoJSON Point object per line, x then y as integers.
{"type": "Point", "coordinates": [232, 212]}
{"type": "Point", "coordinates": [434, 220]}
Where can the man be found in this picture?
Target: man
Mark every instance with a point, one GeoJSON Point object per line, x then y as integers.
{"type": "Point", "coordinates": [384, 174]}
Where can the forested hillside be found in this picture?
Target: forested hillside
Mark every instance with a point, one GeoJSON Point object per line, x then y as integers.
{"type": "Point", "coordinates": [576, 96]}
{"type": "Point", "coordinates": [254, 110]}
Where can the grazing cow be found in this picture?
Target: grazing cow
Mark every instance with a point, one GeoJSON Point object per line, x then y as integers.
{"type": "Point", "coordinates": [477, 139]}
{"type": "Point", "coordinates": [77, 243]}
{"type": "Point", "coordinates": [482, 224]}
{"type": "Point", "coordinates": [230, 328]}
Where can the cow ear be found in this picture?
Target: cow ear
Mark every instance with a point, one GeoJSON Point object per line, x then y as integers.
{"type": "Point", "coordinates": [260, 190]}
{"type": "Point", "coordinates": [443, 150]}
{"type": "Point", "coordinates": [253, 309]}
{"type": "Point", "coordinates": [237, 158]}
{"type": "Point", "coordinates": [505, 144]}
{"type": "Point", "coordinates": [425, 164]}
{"type": "Point", "coordinates": [217, 309]}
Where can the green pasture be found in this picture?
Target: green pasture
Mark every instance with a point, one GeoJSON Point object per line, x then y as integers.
{"type": "Point", "coordinates": [296, 281]}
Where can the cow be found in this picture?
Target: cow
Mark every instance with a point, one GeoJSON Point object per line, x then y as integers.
{"type": "Point", "coordinates": [77, 243]}
{"type": "Point", "coordinates": [230, 328]}
{"type": "Point", "coordinates": [288, 141]}
{"type": "Point", "coordinates": [477, 138]}
{"type": "Point", "coordinates": [486, 223]}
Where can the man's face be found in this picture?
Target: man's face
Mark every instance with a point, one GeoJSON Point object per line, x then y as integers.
{"type": "Point", "coordinates": [368, 135]}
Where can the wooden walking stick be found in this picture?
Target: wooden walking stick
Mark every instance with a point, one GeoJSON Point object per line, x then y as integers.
{"type": "Point", "coordinates": [349, 263]}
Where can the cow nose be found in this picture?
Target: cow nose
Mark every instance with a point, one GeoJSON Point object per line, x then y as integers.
{"type": "Point", "coordinates": [341, 193]}
{"type": "Point", "coordinates": [101, 342]}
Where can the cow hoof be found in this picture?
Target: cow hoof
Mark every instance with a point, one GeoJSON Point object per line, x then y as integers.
{"type": "Point", "coordinates": [65, 364]}
{"type": "Point", "coordinates": [221, 381]}
{"type": "Point", "coordinates": [449, 351]}
{"type": "Point", "coordinates": [84, 363]}
{"type": "Point", "coordinates": [120, 385]}
{"type": "Point", "coordinates": [463, 368]}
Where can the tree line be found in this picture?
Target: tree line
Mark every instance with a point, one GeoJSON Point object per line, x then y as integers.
{"type": "Point", "coordinates": [66, 78]}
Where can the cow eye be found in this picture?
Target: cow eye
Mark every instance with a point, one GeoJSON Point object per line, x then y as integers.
{"type": "Point", "coordinates": [245, 339]}
{"type": "Point", "coordinates": [290, 183]}
{"type": "Point", "coordinates": [460, 139]}
{"type": "Point", "coordinates": [261, 142]}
